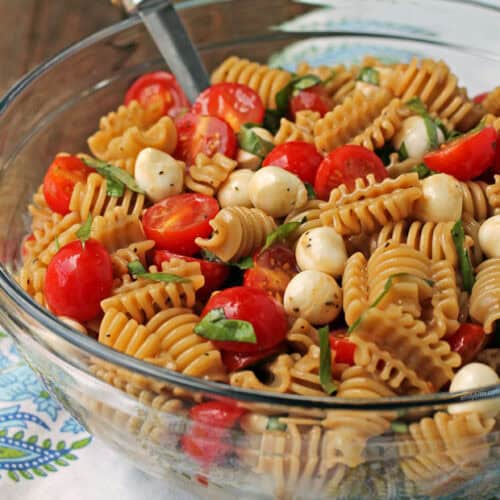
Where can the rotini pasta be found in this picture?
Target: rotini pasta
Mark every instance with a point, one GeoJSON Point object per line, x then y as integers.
{"type": "Point", "coordinates": [122, 257]}
{"type": "Point", "coordinates": [475, 199]}
{"type": "Point", "coordinates": [491, 102]}
{"type": "Point", "coordinates": [300, 130]}
{"type": "Point", "coordinates": [493, 193]}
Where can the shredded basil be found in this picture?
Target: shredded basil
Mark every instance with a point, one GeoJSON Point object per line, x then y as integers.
{"type": "Point", "coordinates": [272, 119]}
{"type": "Point", "coordinates": [431, 128]}
{"type": "Point", "coordinates": [216, 326]}
{"type": "Point", "coordinates": [245, 263]}
{"type": "Point", "coordinates": [58, 246]}
{"type": "Point", "coordinates": [416, 105]}
{"type": "Point", "coordinates": [311, 194]}
{"type": "Point", "coordinates": [423, 171]}
{"type": "Point", "coordinates": [403, 152]}
{"type": "Point", "coordinates": [83, 234]}
{"type": "Point", "coordinates": [325, 362]}
{"type": "Point", "coordinates": [399, 427]}
{"type": "Point", "coordinates": [252, 142]}
{"type": "Point", "coordinates": [281, 233]}
{"type": "Point", "coordinates": [116, 178]}
{"type": "Point", "coordinates": [274, 424]}
{"type": "Point", "coordinates": [135, 267]}
{"type": "Point", "coordinates": [458, 235]}
{"type": "Point", "coordinates": [137, 270]}
{"type": "Point", "coordinates": [369, 75]}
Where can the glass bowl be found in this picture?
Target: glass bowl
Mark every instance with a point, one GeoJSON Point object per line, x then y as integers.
{"type": "Point", "coordinates": [286, 445]}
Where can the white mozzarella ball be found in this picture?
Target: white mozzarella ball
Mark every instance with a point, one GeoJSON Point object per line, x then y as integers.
{"type": "Point", "coordinates": [414, 134]}
{"type": "Point", "coordinates": [489, 237]}
{"type": "Point", "coordinates": [234, 191]}
{"type": "Point", "coordinates": [441, 201]}
{"type": "Point", "coordinates": [314, 296]}
{"type": "Point", "coordinates": [321, 249]}
{"type": "Point", "coordinates": [474, 376]}
{"type": "Point", "coordinates": [276, 191]}
{"type": "Point", "coordinates": [248, 160]}
{"type": "Point", "coordinates": [158, 174]}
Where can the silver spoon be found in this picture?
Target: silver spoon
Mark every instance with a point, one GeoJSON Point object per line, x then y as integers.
{"type": "Point", "coordinates": [170, 36]}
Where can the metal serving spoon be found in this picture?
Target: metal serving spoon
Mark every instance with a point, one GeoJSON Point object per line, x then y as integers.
{"type": "Point", "coordinates": [170, 36]}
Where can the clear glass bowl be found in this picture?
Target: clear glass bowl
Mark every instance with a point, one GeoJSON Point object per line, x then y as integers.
{"type": "Point", "coordinates": [142, 410]}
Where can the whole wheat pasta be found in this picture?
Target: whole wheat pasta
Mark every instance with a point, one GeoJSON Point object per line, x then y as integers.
{"type": "Point", "coordinates": [208, 174]}
{"type": "Point", "coordinates": [355, 287]}
{"type": "Point", "coordinates": [39, 210]}
{"type": "Point", "coordinates": [302, 129]}
{"type": "Point", "coordinates": [123, 256]}
{"type": "Point", "coordinates": [492, 120]}
{"type": "Point", "coordinates": [237, 232]}
{"type": "Point", "coordinates": [399, 167]}
{"type": "Point", "coordinates": [371, 205]}
{"type": "Point", "coordinates": [308, 216]}
{"type": "Point", "coordinates": [91, 197]}
{"type": "Point", "coordinates": [475, 199]}
{"type": "Point", "coordinates": [485, 297]}
{"type": "Point", "coordinates": [302, 335]}
{"type": "Point", "coordinates": [32, 280]}
{"type": "Point", "coordinates": [357, 383]}
{"type": "Point", "coordinates": [471, 231]}
{"type": "Point", "coordinates": [490, 357]}
{"type": "Point", "coordinates": [348, 119]}
{"type": "Point", "coordinates": [266, 81]}
{"type": "Point", "coordinates": [493, 193]}
{"type": "Point", "coordinates": [305, 374]}
{"type": "Point", "coordinates": [491, 103]}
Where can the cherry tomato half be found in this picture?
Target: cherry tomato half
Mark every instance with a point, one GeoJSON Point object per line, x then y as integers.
{"type": "Point", "coordinates": [466, 157]}
{"type": "Point", "coordinates": [235, 361]}
{"type": "Point", "coordinates": [496, 164]}
{"type": "Point", "coordinates": [203, 134]}
{"type": "Point", "coordinates": [175, 222]}
{"type": "Point", "coordinates": [60, 179]}
{"type": "Point", "coordinates": [272, 271]}
{"type": "Point", "coordinates": [158, 86]}
{"type": "Point", "coordinates": [78, 278]}
{"type": "Point", "coordinates": [235, 103]}
{"type": "Point", "coordinates": [478, 99]}
{"type": "Point", "coordinates": [204, 444]}
{"type": "Point", "coordinates": [300, 158]}
{"type": "Point", "coordinates": [468, 340]}
{"type": "Point", "coordinates": [266, 315]}
{"type": "Point", "coordinates": [343, 347]}
{"type": "Point", "coordinates": [215, 273]}
{"type": "Point", "coordinates": [217, 414]}
{"type": "Point", "coordinates": [344, 165]}
{"type": "Point", "coordinates": [314, 98]}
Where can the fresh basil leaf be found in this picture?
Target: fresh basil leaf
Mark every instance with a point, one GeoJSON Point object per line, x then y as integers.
{"type": "Point", "coordinates": [382, 294]}
{"type": "Point", "coordinates": [442, 127]}
{"type": "Point", "coordinates": [135, 268]}
{"type": "Point", "coordinates": [272, 119]}
{"type": "Point", "coordinates": [369, 75]}
{"type": "Point", "coordinates": [325, 361]}
{"type": "Point", "coordinates": [164, 277]}
{"type": "Point", "coordinates": [281, 233]}
{"type": "Point", "coordinates": [282, 98]}
{"type": "Point", "coordinates": [210, 256]}
{"type": "Point", "coordinates": [115, 174]}
{"type": "Point", "coordinates": [306, 82]}
{"type": "Point", "coordinates": [114, 188]}
{"type": "Point", "coordinates": [83, 234]}
{"type": "Point", "coordinates": [58, 246]}
{"type": "Point", "coordinates": [403, 152]}
{"type": "Point", "coordinates": [332, 76]}
{"type": "Point", "coordinates": [458, 235]}
{"type": "Point", "coordinates": [274, 424]}
{"type": "Point", "coordinates": [431, 129]}
{"type": "Point", "coordinates": [252, 142]}
{"type": "Point", "coordinates": [416, 105]}
{"type": "Point", "coordinates": [399, 427]}
{"type": "Point", "coordinates": [311, 194]}
{"type": "Point", "coordinates": [245, 263]}
{"type": "Point", "coordinates": [423, 171]}
{"type": "Point", "coordinates": [216, 326]}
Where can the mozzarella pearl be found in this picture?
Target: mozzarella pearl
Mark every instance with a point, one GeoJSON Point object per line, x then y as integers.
{"type": "Point", "coordinates": [249, 160]}
{"type": "Point", "coordinates": [321, 249]}
{"type": "Point", "coordinates": [234, 191]}
{"type": "Point", "coordinates": [489, 237]}
{"type": "Point", "coordinates": [474, 376]}
{"type": "Point", "coordinates": [441, 201]}
{"type": "Point", "coordinates": [413, 133]}
{"type": "Point", "coordinates": [158, 174]}
{"type": "Point", "coordinates": [314, 296]}
{"type": "Point", "coordinates": [276, 191]}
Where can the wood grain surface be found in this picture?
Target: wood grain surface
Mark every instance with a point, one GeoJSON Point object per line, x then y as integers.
{"type": "Point", "coordinates": [34, 30]}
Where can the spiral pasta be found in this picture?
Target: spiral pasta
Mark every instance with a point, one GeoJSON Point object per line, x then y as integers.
{"type": "Point", "coordinates": [266, 81]}
{"type": "Point", "coordinates": [475, 199]}
{"type": "Point", "coordinates": [237, 232]}
{"type": "Point", "coordinates": [349, 119]}
{"type": "Point", "coordinates": [471, 242]}
{"type": "Point", "coordinates": [39, 210]}
{"type": "Point", "coordinates": [399, 167]}
{"type": "Point", "coordinates": [305, 374]}
{"type": "Point", "coordinates": [300, 130]}
{"type": "Point", "coordinates": [308, 216]}
{"type": "Point", "coordinates": [371, 205]}
{"type": "Point", "coordinates": [355, 287]}
{"type": "Point", "coordinates": [493, 193]}
{"type": "Point", "coordinates": [485, 296]}
{"type": "Point", "coordinates": [491, 103]}
{"type": "Point", "coordinates": [208, 174]}
{"type": "Point", "coordinates": [302, 335]}
{"type": "Point", "coordinates": [123, 256]}
{"type": "Point", "coordinates": [32, 280]}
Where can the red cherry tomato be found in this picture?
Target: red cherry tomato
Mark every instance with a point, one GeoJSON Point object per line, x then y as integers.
{"type": "Point", "coordinates": [175, 222]}
{"type": "Point", "coordinates": [235, 103]}
{"type": "Point", "coordinates": [216, 414]}
{"type": "Point", "coordinates": [78, 278]}
{"type": "Point", "coordinates": [205, 444]}
{"type": "Point", "coordinates": [215, 273]}
{"type": "Point", "coordinates": [60, 179]}
{"type": "Point", "coordinates": [24, 250]}
{"type": "Point", "coordinates": [466, 157]}
{"type": "Point", "coordinates": [343, 347]}
{"type": "Point", "coordinates": [158, 86]}
{"type": "Point", "coordinates": [496, 164]}
{"type": "Point", "coordinates": [272, 271]}
{"type": "Point", "coordinates": [235, 361]}
{"type": "Point", "coordinates": [478, 99]}
{"type": "Point", "coordinates": [300, 158]}
{"type": "Point", "coordinates": [468, 340]}
{"type": "Point", "coordinates": [344, 165]}
{"type": "Point", "coordinates": [266, 315]}
{"type": "Point", "coordinates": [314, 98]}
{"type": "Point", "coordinates": [203, 134]}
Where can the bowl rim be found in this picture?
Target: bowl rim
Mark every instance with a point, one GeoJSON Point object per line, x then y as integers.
{"type": "Point", "coordinates": [88, 345]}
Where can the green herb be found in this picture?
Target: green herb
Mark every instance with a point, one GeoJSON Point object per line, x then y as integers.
{"type": "Point", "coordinates": [210, 256]}
{"type": "Point", "coordinates": [137, 270]}
{"type": "Point", "coordinates": [216, 326]}
{"type": "Point", "coordinates": [281, 233]}
{"type": "Point", "coordinates": [458, 235]}
{"type": "Point", "coordinates": [311, 194]}
{"type": "Point", "coordinates": [325, 361]}
{"type": "Point", "coordinates": [252, 142]}
{"type": "Point", "coordinates": [58, 246]}
{"type": "Point", "coordinates": [442, 127]}
{"type": "Point", "coordinates": [274, 424]}
{"type": "Point", "coordinates": [116, 178]}
{"type": "Point", "coordinates": [423, 171]}
{"type": "Point", "coordinates": [403, 152]}
{"type": "Point", "coordinates": [332, 76]}
{"type": "Point", "coordinates": [369, 75]}
{"type": "Point", "coordinates": [399, 427]}
{"type": "Point", "coordinates": [83, 234]}
{"type": "Point", "coordinates": [296, 84]}
{"type": "Point", "coordinates": [305, 82]}
{"type": "Point", "coordinates": [431, 128]}
{"type": "Point", "coordinates": [272, 119]}
{"type": "Point", "coordinates": [417, 106]}
{"type": "Point", "coordinates": [245, 263]}
{"type": "Point", "coordinates": [383, 293]}
{"type": "Point", "coordinates": [136, 267]}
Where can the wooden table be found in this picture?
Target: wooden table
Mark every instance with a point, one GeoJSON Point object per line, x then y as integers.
{"type": "Point", "coordinates": [33, 30]}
